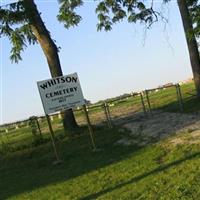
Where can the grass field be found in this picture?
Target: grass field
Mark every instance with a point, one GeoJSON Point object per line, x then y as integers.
{"type": "Point", "coordinates": [157, 170]}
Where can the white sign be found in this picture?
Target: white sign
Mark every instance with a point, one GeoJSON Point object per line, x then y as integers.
{"type": "Point", "coordinates": [61, 93]}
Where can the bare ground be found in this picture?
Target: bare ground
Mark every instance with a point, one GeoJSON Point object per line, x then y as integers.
{"type": "Point", "coordinates": [145, 129]}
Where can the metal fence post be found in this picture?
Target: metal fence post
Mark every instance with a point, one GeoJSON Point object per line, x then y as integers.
{"type": "Point", "coordinates": [179, 97]}
{"type": "Point", "coordinates": [148, 101]}
{"type": "Point", "coordinates": [38, 125]}
{"type": "Point", "coordinates": [107, 113]}
{"type": "Point", "coordinates": [142, 102]}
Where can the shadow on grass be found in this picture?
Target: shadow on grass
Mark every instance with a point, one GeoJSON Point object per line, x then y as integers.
{"type": "Point", "coordinates": [142, 176]}
{"type": "Point", "coordinates": [31, 169]}
{"type": "Point", "coordinates": [190, 105]}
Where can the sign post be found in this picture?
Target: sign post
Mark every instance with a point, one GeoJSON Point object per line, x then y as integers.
{"type": "Point", "coordinates": [53, 140]}
{"type": "Point", "coordinates": [52, 137]}
{"type": "Point", "coordinates": [89, 127]}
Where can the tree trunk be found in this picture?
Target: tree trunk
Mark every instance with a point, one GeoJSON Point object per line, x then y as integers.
{"type": "Point", "coordinates": [191, 42]}
{"type": "Point", "coordinates": [51, 52]}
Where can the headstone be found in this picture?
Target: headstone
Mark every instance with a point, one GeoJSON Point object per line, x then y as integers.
{"type": "Point", "coordinates": [39, 119]}
{"type": "Point", "coordinates": [59, 116]}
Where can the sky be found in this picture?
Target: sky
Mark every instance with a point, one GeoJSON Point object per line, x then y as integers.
{"type": "Point", "coordinates": [127, 59]}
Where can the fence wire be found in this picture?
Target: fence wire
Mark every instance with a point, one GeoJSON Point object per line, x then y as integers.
{"type": "Point", "coordinates": [20, 135]}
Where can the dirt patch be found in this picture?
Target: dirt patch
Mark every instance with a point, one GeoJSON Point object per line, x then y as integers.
{"type": "Point", "coordinates": [176, 141]}
{"type": "Point", "coordinates": [196, 134]}
{"type": "Point", "coordinates": [153, 127]}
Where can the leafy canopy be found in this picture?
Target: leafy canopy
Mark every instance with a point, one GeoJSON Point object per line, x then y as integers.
{"type": "Point", "coordinates": [110, 12]}
{"type": "Point", "coordinates": [67, 13]}
{"type": "Point", "coordinates": [194, 8]}
{"type": "Point", "coordinates": [15, 24]}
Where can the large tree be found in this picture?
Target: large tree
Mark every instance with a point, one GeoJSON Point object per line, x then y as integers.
{"type": "Point", "coordinates": [21, 22]}
{"type": "Point", "coordinates": [188, 19]}
{"type": "Point", "coordinates": [110, 12]}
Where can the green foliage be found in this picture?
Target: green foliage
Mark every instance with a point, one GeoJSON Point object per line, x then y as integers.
{"type": "Point", "coordinates": [33, 125]}
{"type": "Point", "coordinates": [37, 137]}
{"type": "Point", "coordinates": [15, 25]}
{"type": "Point", "coordinates": [194, 8]}
{"type": "Point", "coordinates": [67, 13]}
{"type": "Point", "coordinates": [110, 12]}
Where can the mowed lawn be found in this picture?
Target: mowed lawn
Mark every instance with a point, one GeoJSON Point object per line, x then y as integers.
{"type": "Point", "coordinates": [156, 171]}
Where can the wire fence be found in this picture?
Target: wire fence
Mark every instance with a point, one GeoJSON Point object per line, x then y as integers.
{"type": "Point", "coordinates": [32, 132]}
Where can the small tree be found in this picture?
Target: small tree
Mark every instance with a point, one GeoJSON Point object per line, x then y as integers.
{"type": "Point", "coordinates": [34, 127]}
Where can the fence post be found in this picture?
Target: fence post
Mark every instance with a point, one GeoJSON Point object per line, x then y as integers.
{"type": "Point", "coordinates": [53, 140]}
{"type": "Point", "coordinates": [179, 97]}
{"type": "Point", "coordinates": [89, 127]}
{"type": "Point", "coordinates": [38, 125]}
{"type": "Point", "coordinates": [148, 101]}
{"type": "Point", "coordinates": [142, 101]}
{"type": "Point", "coordinates": [107, 113]}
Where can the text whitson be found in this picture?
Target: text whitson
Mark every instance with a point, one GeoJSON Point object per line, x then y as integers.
{"type": "Point", "coordinates": [61, 93]}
